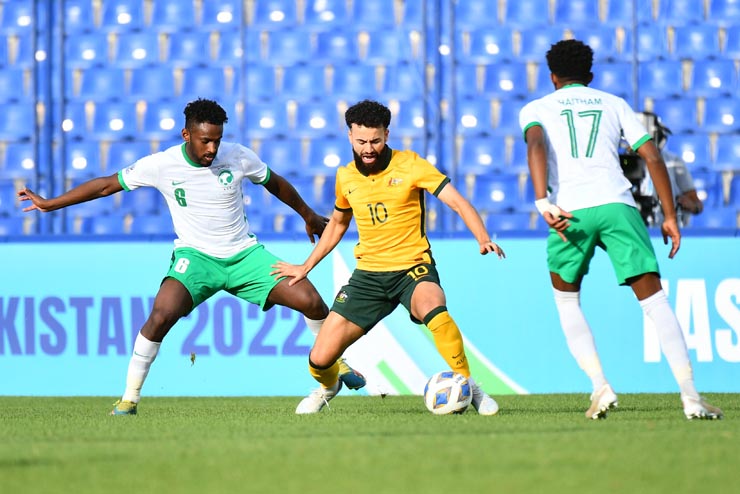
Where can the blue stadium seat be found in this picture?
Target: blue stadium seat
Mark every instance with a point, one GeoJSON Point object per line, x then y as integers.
{"type": "Point", "coordinates": [411, 119]}
{"type": "Point", "coordinates": [496, 193]}
{"type": "Point", "coordinates": [152, 83]}
{"type": "Point", "coordinates": [326, 154]}
{"type": "Point", "coordinates": [680, 12]}
{"type": "Point", "coordinates": [326, 15]}
{"type": "Point", "coordinates": [122, 15]}
{"type": "Point", "coordinates": [715, 218]}
{"type": "Point", "coordinates": [525, 13]}
{"type": "Point", "coordinates": [319, 118]}
{"type": "Point", "coordinates": [622, 13]}
{"type": "Point", "coordinates": [543, 82]}
{"type": "Point", "coordinates": [728, 153]}
{"type": "Point", "coordinates": [711, 78]}
{"type": "Point", "coordinates": [602, 39]}
{"type": "Point", "coordinates": [480, 155]}
{"type": "Point", "coordinates": [232, 49]}
{"type": "Point", "coordinates": [575, 13]}
{"type": "Point", "coordinates": [17, 122]}
{"type": "Point", "coordinates": [723, 12]}
{"type": "Point", "coordinates": [82, 160]}
{"type": "Point", "coordinates": [386, 47]}
{"type": "Point", "coordinates": [222, 15]}
{"type": "Point", "coordinates": [206, 82]}
{"type": "Point", "coordinates": [304, 82]}
{"type": "Point", "coordinates": [18, 17]}
{"type": "Point", "coordinates": [137, 49]}
{"type": "Point", "coordinates": [652, 43]}
{"type": "Point", "coordinates": [722, 115]}
{"type": "Point", "coordinates": [79, 16]}
{"type": "Point", "coordinates": [507, 118]}
{"type": "Point", "coordinates": [288, 47]}
{"type": "Point", "coordinates": [173, 15]}
{"type": "Point", "coordinates": [274, 15]}
{"type": "Point", "coordinates": [693, 148]}
{"type": "Point", "coordinates": [109, 224]}
{"type": "Point", "coordinates": [114, 120]}
{"type": "Point", "coordinates": [102, 84]}
{"type": "Point", "coordinates": [142, 201]}
{"type": "Point", "coordinates": [518, 158]}
{"type": "Point", "coordinates": [163, 120]}
{"type": "Point", "coordinates": [696, 42]}
{"type": "Point", "coordinates": [266, 120]}
{"type": "Point", "coordinates": [13, 225]}
{"type": "Point", "coordinates": [82, 51]}
{"type": "Point", "coordinates": [20, 161]}
{"type": "Point", "coordinates": [260, 82]}
{"type": "Point", "coordinates": [477, 14]}
{"type": "Point", "coordinates": [15, 85]}
{"type": "Point", "coordinates": [505, 81]}
{"type": "Point", "coordinates": [678, 114]}
{"type": "Point", "coordinates": [473, 117]}
{"type": "Point", "coordinates": [469, 80]}
{"type": "Point", "coordinates": [731, 47]}
{"type": "Point", "coordinates": [379, 13]}
{"type": "Point", "coordinates": [486, 45]}
{"type": "Point", "coordinates": [405, 81]}
{"type": "Point", "coordinates": [708, 187]}
{"type": "Point", "coordinates": [511, 221]}
{"type": "Point", "coordinates": [189, 49]}
{"type": "Point", "coordinates": [122, 154]}
{"type": "Point", "coordinates": [660, 79]}
{"type": "Point", "coordinates": [76, 122]}
{"type": "Point", "coordinates": [536, 41]}
{"type": "Point", "coordinates": [615, 78]}
{"type": "Point", "coordinates": [355, 82]}
{"type": "Point", "coordinates": [285, 156]}
{"type": "Point", "coordinates": [336, 47]}
{"type": "Point", "coordinates": [9, 204]}
{"type": "Point", "coordinates": [152, 224]}
{"type": "Point", "coordinates": [733, 198]}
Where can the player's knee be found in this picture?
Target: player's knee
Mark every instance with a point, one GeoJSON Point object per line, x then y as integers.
{"type": "Point", "coordinates": [319, 363]}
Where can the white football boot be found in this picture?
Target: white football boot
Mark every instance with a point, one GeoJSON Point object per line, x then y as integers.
{"type": "Point", "coordinates": [697, 408]}
{"type": "Point", "coordinates": [484, 404]}
{"type": "Point", "coordinates": [602, 401]}
{"type": "Point", "coordinates": [315, 401]}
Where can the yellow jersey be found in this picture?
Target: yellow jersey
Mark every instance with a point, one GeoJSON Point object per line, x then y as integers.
{"type": "Point", "coordinates": [389, 210]}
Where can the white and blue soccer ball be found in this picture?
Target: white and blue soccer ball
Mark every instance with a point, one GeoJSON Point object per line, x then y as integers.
{"type": "Point", "coordinates": [447, 392]}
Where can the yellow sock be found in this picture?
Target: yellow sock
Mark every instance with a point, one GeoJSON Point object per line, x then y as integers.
{"type": "Point", "coordinates": [327, 377]}
{"type": "Point", "coordinates": [448, 339]}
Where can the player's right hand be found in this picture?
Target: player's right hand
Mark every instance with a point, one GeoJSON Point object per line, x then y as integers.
{"type": "Point", "coordinates": [282, 269]}
{"type": "Point", "coordinates": [37, 202]}
{"type": "Point", "coordinates": [559, 223]}
{"type": "Point", "coordinates": [669, 228]}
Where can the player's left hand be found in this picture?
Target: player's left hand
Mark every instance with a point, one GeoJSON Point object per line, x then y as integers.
{"type": "Point", "coordinates": [490, 246]}
{"type": "Point", "coordinates": [669, 228]}
{"type": "Point", "coordinates": [282, 269]}
{"type": "Point", "coordinates": [315, 225]}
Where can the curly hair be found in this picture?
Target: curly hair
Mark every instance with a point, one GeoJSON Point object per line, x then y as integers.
{"type": "Point", "coordinates": [570, 59]}
{"type": "Point", "coordinates": [369, 114]}
{"type": "Point", "coordinates": [204, 111]}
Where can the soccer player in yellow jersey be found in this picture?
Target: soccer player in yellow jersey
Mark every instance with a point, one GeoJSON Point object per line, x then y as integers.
{"type": "Point", "coordinates": [383, 189]}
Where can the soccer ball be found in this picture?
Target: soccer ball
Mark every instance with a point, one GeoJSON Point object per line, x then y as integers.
{"type": "Point", "coordinates": [447, 392]}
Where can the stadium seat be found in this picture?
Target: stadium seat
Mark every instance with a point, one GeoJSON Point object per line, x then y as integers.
{"type": "Point", "coordinates": [304, 82]}
{"type": "Point", "coordinates": [102, 84]}
{"type": "Point", "coordinates": [319, 118]}
{"type": "Point", "coordinates": [507, 118]}
{"type": "Point", "coordinates": [473, 117]}
{"type": "Point", "coordinates": [163, 120]}
{"type": "Point", "coordinates": [486, 45]}
{"type": "Point", "coordinates": [20, 162]}
{"type": "Point", "coordinates": [696, 42]}
{"type": "Point", "coordinates": [206, 82]}
{"type": "Point", "coordinates": [189, 49]}
{"type": "Point", "coordinates": [114, 120]}
{"type": "Point", "coordinates": [137, 49]}
{"type": "Point", "coordinates": [693, 148]}
{"type": "Point", "coordinates": [543, 82]}
{"type": "Point", "coordinates": [9, 203]}
{"type": "Point", "coordinates": [15, 86]}
{"type": "Point", "coordinates": [481, 155]}
{"type": "Point", "coordinates": [476, 14]}
{"type": "Point", "coordinates": [728, 153]}
{"type": "Point", "coordinates": [109, 224]}
{"type": "Point", "coordinates": [505, 80]}
{"type": "Point", "coordinates": [715, 218]}
{"type": "Point", "coordinates": [79, 16]}
{"type": "Point", "coordinates": [708, 187]}
{"type": "Point", "coordinates": [82, 51]}
{"type": "Point", "coordinates": [614, 78]}
{"type": "Point", "coordinates": [326, 154]}
{"type": "Point", "coordinates": [733, 199]}
{"type": "Point", "coordinates": [82, 160]}
{"type": "Point", "coordinates": [221, 15]}
{"type": "Point", "coordinates": [678, 114]}
{"type": "Point", "coordinates": [511, 221]}
{"type": "Point", "coordinates": [266, 120]}
{"type": "Point", "coordinates": [273, 15]}
{"type": "Point", "coordinates": [13, 225]}
{"type": "Point", "coordinates": [411, 118]}
{"type": "Point", "coordinates": [405, 81]}
{"type": "Point", "coordinates": [152, 84]}
{"type": "Point", "coordinates": [620, 13]}
{"type": "Point", "coordinates": [711, 78]}
{"type": "Point", "coordinates": [285, 156]}
{"type": "Point", "coordinates": [17, 122]}
{"type": "Point", "coordinates": [575, 13]}
{"type": "Point", "coordinates": [336, 47]}
{"type": "Point", "coordinates": [122, 154]}
{"type": "Point", "coordinates": [518, 157]}
{"type": "Point", "coordinates": [142, 201]}
{"type": "Point", "coordinates": [122, 15]}
{"type": "Point", "coordinates": [731, 49]}
{"type": "Point", "coordinates": [722, 115]}
{"type": "Point", "coordinates": [652, 43]}
{"type": "Point", "coordinates": [724, 13]}
{"type": "Point", "coordinates": [260, 82]}
{"type": "Point", "coordinates": [381, 14]}
{"type": "Point", "coordinates": [355, 82]}
{"type": "Point", "coordinates": [680, 12]}
{"type": "Point", "coordinates": [536, 41]}
{"type": "Point", "coordinates": [152, 224]}
{"type": "Point", "coordinates": [525, 13]}
{"type": "Point", "coordinates": [660, 79]}
{"type": "Point", "coordinates": [496, 193]}
{"type": "Point", "coordinates": [288, 47]}
{"type": "Point", "coordinates": [469, 80]}
{"type": "Point", "coordinates": [326, 15]}
{"type": "Point", "coordinates": [379, 47]}
{"type": "Point", "coordinates": [18, 17]}
{"type": "Point", "coordinates": [173, 15]}
{"type": "Point", "coordinates": [602, 39]}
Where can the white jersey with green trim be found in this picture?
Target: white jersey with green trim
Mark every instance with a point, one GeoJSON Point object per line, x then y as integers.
{"type": "Point", "coordinates": [206, 202]}
{"type": "Point", "coordinates": [583, 128]}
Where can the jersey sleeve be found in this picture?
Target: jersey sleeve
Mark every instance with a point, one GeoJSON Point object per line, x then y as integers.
{"type": "Point", "coordinates": [634, 131]}
{"type": "Point", "coordinates": [527, 118]}
{"type": "Point", "coordinates": [254, 168]}
{"type": "Point", "coordinates": [427, 177]}
{"type": "Point", "coordinates": [143, 173]}
{"type": "Point", "coordinates": [340, 202]}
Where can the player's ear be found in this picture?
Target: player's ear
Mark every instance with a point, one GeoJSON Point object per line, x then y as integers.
{"type": "Point", "coordinates": [590, 78]}
{"type": "Point", "coordinates": [186, 134]}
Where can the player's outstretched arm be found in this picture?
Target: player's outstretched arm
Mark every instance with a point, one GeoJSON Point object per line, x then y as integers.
{"type": "Point", "coordinates": [333, 233]}
{"type": "Point", "coordinates": [87, 191]}
{"type": "Point", "coordinates": [283, 190]}
{"type": "Point", "coordinates": [450, 196]}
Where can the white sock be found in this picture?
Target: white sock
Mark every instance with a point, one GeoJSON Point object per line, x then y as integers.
{"type": "Point", "coordinates": [658, 310]}
{"type": "Point", "coordinates": [145, 352]}
{"type": "Point", "coordinates": [314, 324]}
{"type": "Point", "coordinates": [578, 336]}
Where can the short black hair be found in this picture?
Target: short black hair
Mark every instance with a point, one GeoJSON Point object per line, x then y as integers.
{"type": "Point", "coordinates": [571, 59]}
{"type": "Point", "coordinates": [204, 111]}
{"type": "Point", "coordinates": [369, 114]}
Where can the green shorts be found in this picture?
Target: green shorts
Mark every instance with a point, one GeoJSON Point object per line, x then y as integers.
{"type": "Point", "coordinates": [369, 296]}
{"type": "Point", "coordinates": [617, 228]}
{"type": "Point", "coordinates": [245, 275]}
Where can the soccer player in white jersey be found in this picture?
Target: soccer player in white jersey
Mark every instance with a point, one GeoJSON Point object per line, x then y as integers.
{"type": "Point", "coordinates": [573, 137]}
{"type": "Point", "coordinates": [201, 181]}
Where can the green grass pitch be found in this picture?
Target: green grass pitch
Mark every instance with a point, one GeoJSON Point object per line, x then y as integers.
{"type": "Point", "coordinates": [537, 444]}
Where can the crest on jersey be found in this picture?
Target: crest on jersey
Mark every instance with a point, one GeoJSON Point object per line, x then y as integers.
{"type": "Point", "coordinates": [394, 181]}
{"type": "Point", "coordinates": [225, 178]}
